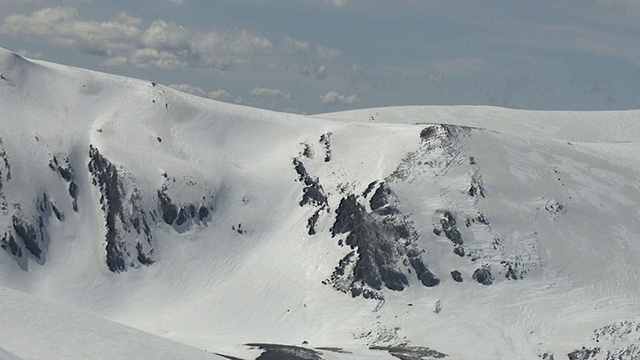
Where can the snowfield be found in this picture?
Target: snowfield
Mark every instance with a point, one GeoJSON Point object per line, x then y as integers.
{"type": "Point", "coordinates": [137, 221]}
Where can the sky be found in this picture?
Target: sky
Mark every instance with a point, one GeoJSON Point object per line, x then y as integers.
{"type": "Point", "coordinates": [319, 56]}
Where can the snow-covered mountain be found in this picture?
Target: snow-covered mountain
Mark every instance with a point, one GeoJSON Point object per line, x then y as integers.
{"type": "Point", "coordinates": [138, 220]}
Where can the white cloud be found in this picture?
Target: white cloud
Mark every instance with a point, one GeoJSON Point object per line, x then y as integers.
{"type": "Point", "coordinates": [127, 19]}
{"type": "Point", "coordinates": [30, 54]}
{"type": "Point", "coordinates": [125, 41]}
{"type": "Point", "coordinates": [60, 25]}
{"type": "Point", "coordinates": [115, 61]}
{"type": "Point", "coordinates": [164, 35]}
{"type": "Point", "coordinates": [220, 95]}
{"type": "Point", "coordinates": [149, 57]}
{"type": "Point", "coordinates": [319, 71]}
{"type": "Point", "coordinates": [267, 92]}
{"type": "Point", "coordinates": [178, 2]}
{"type": "Point", "coordinates": [189, 89]}
{"type": "Point", "coordinates": [292, 45]}
{"type": "Point", "coordinates": [327, 53]}
{"type": "Point", "coordinates": [333, 97]}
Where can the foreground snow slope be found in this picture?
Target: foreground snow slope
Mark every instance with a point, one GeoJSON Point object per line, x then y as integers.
{"type": "Point", "coordinates": [37, 329]}
{"type": "Point", "coordinates": [465, 231]}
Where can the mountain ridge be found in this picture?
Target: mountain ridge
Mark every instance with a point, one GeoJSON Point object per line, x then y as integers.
{"type": "Point", "coordinates": [217, 225]}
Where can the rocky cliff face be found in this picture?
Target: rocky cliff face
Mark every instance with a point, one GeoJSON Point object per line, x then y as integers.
{"type": "Point", "coordinates": [25, 223]}
{"type": "Point", "coordinates": [129, 242]}
{"type": "Point", "coordinates": [129, 225]}
{"type": "Point", "coordinates": [385, 249]}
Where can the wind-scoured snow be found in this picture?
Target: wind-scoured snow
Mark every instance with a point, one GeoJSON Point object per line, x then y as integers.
{"type": "Point", "coordinates": [410, 232]}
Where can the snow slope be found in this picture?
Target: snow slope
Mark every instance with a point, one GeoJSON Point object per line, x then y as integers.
{"type": "Point", "coordinates": [37, 329]}
{"type": "Point", "coordinates": [475, 232]}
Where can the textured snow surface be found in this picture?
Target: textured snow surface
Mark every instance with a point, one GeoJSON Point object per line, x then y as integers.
{"type": "Point", "coordinates": [38, 329]}
{"type": "Point", "coordinates": [410, 232]}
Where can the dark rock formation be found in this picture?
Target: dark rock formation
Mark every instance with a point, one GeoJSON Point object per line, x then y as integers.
{"type": "Point", "coordinates": [181, 215]}
{"type": "Point", "coordinates": [456, 275]}
{"type": "Point", "coordinates": [383, 241]}
{"type": "Point", "coordinates": [448, 226]}
{"type": "Point", "coordinates": [5, 168]}
{"type": "Point", "coordinates": [28, 234]}
{"type": "Point", "coordinates": [513, 270]}
{"type": "Point", "coordinates": [126, 221]}
{"type": "Point", "coordinates": [428, 279]}
{"type": "Point", "coordinates": [8, 243]}
{"type": "Point", "coordinates": [325, 140]}
{"type": "Point", "coordinates": [312, 194]}
{"type": "Point", "coordinates": [286, 352]}
{"type": "Point", "coordinates": [407, 352]}
{"type": "Point", "coordinates": [369, 188]}
{"type": "Point", "coordinates": [483, 276]}
{"type": "Point", "coordinates": [383, 201]}
{"type": "Point", "coordinates": [583, 354]}
{"type": "Point", "coordinates": [30, 237]}
{"type": "Point", "coordinates": [60, 163]}
{"type": "Point", "coordinates": [167, 209]}
{"type": "Point", "coordinates": [5, 175]}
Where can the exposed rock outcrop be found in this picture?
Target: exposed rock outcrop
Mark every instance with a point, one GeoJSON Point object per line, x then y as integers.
{"type": "Point", "coordinates": [383, 244]}
{"type": "Point", "coordinates": [128, 240]}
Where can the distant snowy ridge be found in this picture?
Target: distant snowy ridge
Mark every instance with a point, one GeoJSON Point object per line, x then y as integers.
{"type": "Point", "coordinates": [374, 233]}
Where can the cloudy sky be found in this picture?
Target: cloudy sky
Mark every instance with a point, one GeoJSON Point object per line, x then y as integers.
{"type": "Point", "coordinates": [315, 56]}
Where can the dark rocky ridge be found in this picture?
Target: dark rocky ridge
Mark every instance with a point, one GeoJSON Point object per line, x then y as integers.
{"type": "Point", "coordinates": [183, 215]}
{"type": "Point", "coordinates": [5, 168]}
{"type": "Point", "coordinates": [312, 194]}
{"type": "Point", "coordinates": [384, 247]}
{"type": "Point", "coordinates": [129, 239]}
{"type": "Point", "coordinates": [61, 164]}
{"type": "Point", "coordinates": [122, 207]}
{"type": "Point", "coordinates": [410, 352]}
{"type": "Point", "coordinates": [5, 175]}
{"type": "Point", "coordinates": [383, 241]}
{"type": "Point", "coordinates": [325, 140]}
{"type": "Point", "coordinates": [286, 352]}
{"type": "Point", "coordinates": [128, 242]}
{"type": "Point", "coordinates": [27, 234]}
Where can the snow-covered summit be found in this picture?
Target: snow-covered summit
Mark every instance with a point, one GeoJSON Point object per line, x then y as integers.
{"type": "Point", "coordinates": [465, 231]}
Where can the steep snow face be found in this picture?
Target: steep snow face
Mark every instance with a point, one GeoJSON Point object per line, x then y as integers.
{"type": "Point", "coordinates": [381, 232]}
